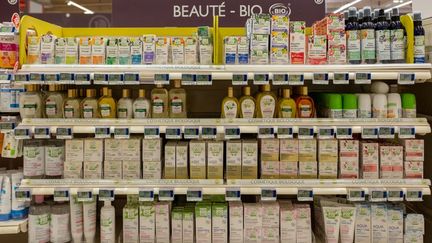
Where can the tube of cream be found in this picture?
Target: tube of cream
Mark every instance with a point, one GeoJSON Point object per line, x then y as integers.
{"type": "Point", "coordinates": [5, 198]}
{"type": "Point", "coordinates": [76, 214]}
{"type": "Point", "coordinates": [89, 213]}
{"type": "Point", "coordinates": [19, 209]}
{"type": "Point", "coordinates": [347, 223]}
{"type": "Point", "coordinates": [331, 223]}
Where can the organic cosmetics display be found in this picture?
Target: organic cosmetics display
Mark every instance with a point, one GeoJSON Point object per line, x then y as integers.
{"type": "Point", "coordinates": [9, 45]}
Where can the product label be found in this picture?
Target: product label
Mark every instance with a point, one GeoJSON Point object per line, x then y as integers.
{"type": "Point", "coordinates": [122, 112]}
{"type": "Point", "coordinates": [397, 44]}
{"type": "Point", "coordinates": [409, 113]}
{"type": "Point", "coordinates": [383, 45]}
{"type": "Point", "coordinates": [267, 104]}
{"type": "Point", "coordinates": [88, 111]}
{"type": "Point", "coordinates": [393, 111]}
{"type": "Point", "coordinates": [158, 106]}
{"type": "Point", "coordinates": [286, 111]}
{"type": "Point", "coordinates": [39, 228]}
{"type": "Point", "coordinates": [105, 110]}
{"type": "Point", "coordinates": [176, 105]}
{"type": "Point", "coordinates": [248, 108]}
{"type": "Point", "coordinates": [368, 44]}
{"type": "Point", "coordinates": [364, 113]}
{"type": "Point", "coordinates": [51, 108]}
{"type": "Point", "coordinates": [60, 228]}
{"type": "Point", "coordinates": [54, 157]}
{"type": "Point", "coordinates": [141, 111]}
{"type": "Point", "coordinates": [354, 50]}
{"type": "Point", "coordinates": [335, 113]}
{"type": "Point", "coordinates": [34, 158]}
{"type": "Point", "coordinates": [69, 111]}
{"type": "Point", "coordinates": [305, 111]}
{"type": "Point", "coordinates": [106, 227]}
{"type": "Point", "coordinates": [419, 49]}
{"type": "Point", "coordinates": [230, 109]}
{"type": "Point", "coordinates": [30, 109]}
{"type": "Point", "coordinates": [350, 113]}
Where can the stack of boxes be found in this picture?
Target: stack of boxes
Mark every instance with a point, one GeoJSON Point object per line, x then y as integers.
{"type": "Point", "coordinates": [242, 159]}
{"type": "Point", "coordinates": [270, 158]}
{"type": "Point", "coordinates": [391, 161]}
{"type": "Point", "coordinates": [74, 159]}
{"type": "Point", "coordinates": [328, 159]}
{"type": "Point", "coordinates": [369, 159]}
{"type": "Point", "coordinates": [279, 42]}
{"type": "Point", "coordinates": [215, 160]}
{"type": "Point", "coordinates": [332, 28]}
{"type": "Point", "coordinates": [288, 156]}
{"type": "Point", "coordinates": [152, 158]}
{"type": "Point", "coordinates": [307, 153]}
{"type": "Point", "coordinates": [413, 158]}
{"type": "Point", "coordinates": [348, 159]}
{"type": "Point", "coordinates": [93, 158]}
{"type": "Point", "coordinates": [259, 38]}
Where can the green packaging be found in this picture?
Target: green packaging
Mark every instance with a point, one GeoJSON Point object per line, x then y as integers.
{"type": "Point", "coordinates": [349, 102]}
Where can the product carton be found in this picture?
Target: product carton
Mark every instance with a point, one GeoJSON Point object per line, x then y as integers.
{"type": "Point", "coordinates": [270, 222]}
{"type": "Point", "coordinates": [414, 224]}
{"type": "Point", "coordinates": [131, 223]}
{"type": "Point", "coordinates": [54, 159]}
{"type": "Point", "coordinates": [279, 54]}
{"type": "Point", "coordinates": [259, 49]}
{"type": "Point", "coordinates": [369, 159]}
{"type": "Point", "coordinates": [307, 150]}
{"type": "Point", "coordinates": [234, 159]}
{"type": "Point", "coordinates": [288, 154]}
{"type": "Point", "coordinates": [249, 159]}
{"type": "Point", "coordinates": [304, 223]}
{"type": "Point", "coordinates": [93, 149]}
{"type": "Point", "coordinates": [331, 23]}
{"type": "Point", "coordinates": [363, 224]}
{"type": "Point", "coordinates": [235, 222]}
{"type": "Point", "coordinates": [149, 48]}
{"type": "Point", "coordinates": [337, 54]}
{"type": "Point", "coordinates": [243, 50]}
{"type": "Point", "coordinates": [152, 150]}
{"type": "Point", "coordinates": [74, 150]}
{"type": "Point", "coordinates": [349, 159]}
{"type": "Point", "coordinates": [113, 149]}
{"type": "Point", "coordinates": [188, 225]}
{"type": "Point", "coordinates": [253, 214]}
{"type": "Point", "coordinates": [328, 158]}
{"type": "Point", "coordinates": [379, 223]}
{"type": "Point", "coordinates": [288, 222]}
{"type": "Point", "coordinates": [152, 169]}
{"type": "Point", "coordinates": [72, 170]}
{"type": "Point", "coordinates": [261, 24]}
{"type": "Point", "coordinates": [297, 42]}
{"type": "Point", "coordinates": [191, 50]}
{"type": "Point", "coordinates": [124, 53]}
{"type": "Point", "coordinates": [269, 149]}
{"type": "Point", "coordinates": [112, 52]}
{"type": "Point", "coordinates": [182, 160]}
{"type": "Point", "coordinates": [130, 149]}
{"type": "Point", "coordinates": [215, 164]}
{"type": "Point", "coordinates": [331, 218]}
{"type": "Point", "coordinates": [137, 50]}
{"type": "Point", "coordinates": [205, 45]}
{"type": "Point", "coordinates": [47, 49]}
{"type": "Point", "coordinates": [177, 50]}
{"type": "Point", "coordinates": [147, 222]}
{"type": "Point", "coordinates": [230, 49]}
{"type": "Point", "coordinates": [203, 222]}
{"type": "Point", "coordinates": [391, 157]}
{"type": "Point", "coordinates": [170, 160]}
{"type": "Point", "coordinates": [413, 169]}
{"type": "Point", "coordinates": [163, 229]}
{"type": "Point", "coordinates": [85, 44]}
{"type": "Point", "coordinates": [71, 51]}
{"type": "Point", "coordinates": [98, 50]}
{"type": "Point", "coordinates": [220, 222]}
{"type": "Point", "coordinates": [270, 169]}
{"type": "Point", "coordinates": [33, 49]}
{"type": "Point", "coordinates": [197, 157]}
{"type": "Point", "coordinates": [279, 23]}
{"type": "Point", "coordinates": [337, 38]}
{"type": "Point", "coordinates": [177, 225]}
{"type": "Point", "coordinates": [113, 169]}
{"type": "Point", "coordinates": [414, 149]}
{"type": "Point", "coordinates": [92, 170]}
{"type": "Point", "coordinates": [395, 223]}
{"type": "Point", "coordinates": [131, 169]}
{"type": "Point", "coordinates": [162, 50]}
{"type": "Point", "coordinates": [317, 49]}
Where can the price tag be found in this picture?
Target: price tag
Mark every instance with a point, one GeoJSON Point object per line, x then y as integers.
{"type": "Point", "coordinates": [7, 126]}
{"type": "Point", "coordinates": [146, 195]}
{"type": "Point", "coordinates": [61, 195]}
{"type": "Point", "coordinates": [280, 79]}
{"type": "Point", "coordinates": [102, 132]}
{"type": "Point", "coordinates": [82, 78]}
{"type": "Point", "coordinates": [261, 79]}
{"type": "Point", "coordinates": [42, 133]}
{"type": "Point", "coordinates": [326, 133]}
{"type": "Point", "coordinates": [36, 78]}
{"type": "Point", "coordinates": [305, 132]}
{"type": "Point", "coordinates": [341, 78]}
{"type": "Point", "coordinates": [161, 79]}
{"type": "Point", "coordinates": [191, 133]}
{"type": "Point", "coordinates": [240, 79]}
{"type": "Point", "coordinates": [23, 195]}
{"type": "Point", "coordinates": [100, 78]}
{"type": "Point", "coordinates": [52, 78]}
{"type": "Point", "coordinates": [407, 132]}
{"type": "Point", "coordinates": [66, 78]}
{"type": "Point", "coordinates": [395, 195]}
{"type": "Point", "coordinates": [363, 78]}
{"type": "Point", "coordinates": [386, 132]}
{"type": "Point", "coordinates": [151, 132]}
{"type": "Point", "coordinates": [173, 133]}
{"type": "Point", "coordinates": [296, 79]}
{"type": "Point", "coordinates": [285, 132]}
{"type": "Point", "coordinates": [266, 132]}
{"type": "Point", "coordinates": [64, 133]}
{"type": "Point", "coordinates": [320, 78]}
{"type": "Point", "coordinates": [188, 79]}
{"type": "Point", "coordinates": [268, 194]}
{"type": "Point", "coordinates": [208, 132]}
{"type": "Point", "coordinates": [344, 133]}
{"type": "Point", "coordinates": [5, 77]}
{"type": "Point", "coordinates": [369, 133]}
{"type": "Point", "coordinates": [106, 195]}
{"type": "Point", "coordinates": [132, 78]}
{"type": "Point", "coordinates": [356, 195]}
{"type": "Point", "coordinates": [406, 78]}
{"type": "Point", "coordinates": [304, 195]}
{"type": "Point", "coordinates": [85, 195]}
{"type": "Point", "coordinates": [121, 133]}
{"type": "Point", "coordinates": [414, 195]}
{"type": "Point", "coordinates": [194, 195]}
{"type": "Point", "coordinates": [166, 194]}
{"type": "Point", "coordinates": [21, 77]}
{"type": "Point", "coordinates": [377, 195]}
{"type": "Point", "coordinates": [115, 78]}
{"type": "Point", "coordinates": [22, 133]}
{"type": "Point", "coordinates": [232, 194]}
{"type": "Point", "coordinates": [204, 79]}
{"type": "Point", "coordinates": [232, 133]}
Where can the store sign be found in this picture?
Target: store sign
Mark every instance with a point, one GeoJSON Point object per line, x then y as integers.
{"type": "Point", "coordinates": [7, 9]}
{"type": "Point", "coordinates": [232, 13]}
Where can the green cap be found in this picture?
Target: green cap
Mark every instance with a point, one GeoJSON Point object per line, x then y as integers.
{"type": "Point", "coordinates": [349, 101]}
{"type": "Point", "coordinates": [408, 101]}
{"type": "Point", "coordinates": [334, 101]}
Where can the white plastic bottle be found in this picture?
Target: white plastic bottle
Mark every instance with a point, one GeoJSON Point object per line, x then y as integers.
{"type": "Point", "coordinates": [31, 103]}
{"type": "Point", "coordinates": [39, 221]}
{"type": "Point", "coordinates": [89, 216]}
{"type": "Point", "coordinates": [76, 212]}
{"type": "Point", "coordinates": [124, 105]}
{"type": "Point", "coordinates": [364, 106]}
{"type": "Point", "coordinates": [19, 208]}
{"type": "Point", "coordinates": [107, 223]}
{"type": "Point", "coordinates": [394, 106]}
{"type": "Point", "coordinates": [141, 106]}
{"type": "Point", "coordinates": [379, 106]}
{"type": "Point", "coordinates": [5, 197]}
{"type": "Point", "coordinates": [60, 223]}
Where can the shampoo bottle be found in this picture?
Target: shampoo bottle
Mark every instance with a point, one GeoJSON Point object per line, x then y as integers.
{"type": "Point", "coordinates": [383, 40]}
{"type": "Point", "coordinates": [107, 223]}
{"type": "Point", "coordinates": [305, 104]}
{"type": "Point", "coordinates": [141, 106]}
{"type": "Point", "coordinates": [5, 197]}
{"type": "Point", "coordinates": [247, 104]}
{"type": "Point", "coordinates": [30, 103]}
{"type": "Point", "coordinates": [286, 105]}
{"type": "Point", "coordinates": [177, 101]}
{"type": "Point", "coordinates": [266, 103]}
{"type": "Point", "coordinates": [106, 105]}
{"type": "Point", "coordinates": [89, 105]}
{"type": "Point", "coordinates": [159, 97]}
{"type": "Point", "coordinates": [60, 223]}
{"type": "Point", "coordinates": [124, 105]}
{"type": "Point", "coordinates": [230, 105]}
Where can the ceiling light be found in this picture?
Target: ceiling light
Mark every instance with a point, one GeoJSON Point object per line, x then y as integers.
{"type": "Point", "coordinates": [398, 6]}
{"type": "Point", "coordinates": [347, 6]}
{"type": "Point", "coordinates": [86, 10]}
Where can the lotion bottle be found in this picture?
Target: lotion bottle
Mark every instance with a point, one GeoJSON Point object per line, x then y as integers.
{"type": "Point", "coordinates": [141, 106]}
{"type": "Point", "coordinates": [266, 103]}
{"type": "Point", "coordinates": [107, 223]}
{"type": "Point", "coordinates": [106, 105]}
{"type": "Point", "coordinates": [247, 104]}
{"type": "Point", "coordinates": [230, 105]}
{"type": "Point", "coordinates": [177, 101]}
{"type": "Point", "coordinates": [124, 105]}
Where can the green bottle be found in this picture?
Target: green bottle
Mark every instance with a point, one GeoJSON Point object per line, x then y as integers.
{"type": "Point", "coordinates": [334, 104]}
{"type": "Point", "coordinates": [349, 102]}
{"type": "Point", "coordinates": [409, 107]}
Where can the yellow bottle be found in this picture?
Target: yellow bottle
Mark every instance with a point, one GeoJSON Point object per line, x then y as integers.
{"type": "Point", "coordinates": [177, 101]}
{"type": "Point", "coordinates": [159, 98]}
{"type": "Point", "coordinates": [230, 105]}
{"type": "Point", "coordinates": [286, 105]}
{"type": "Point", "coordinates": [89, 105]}
{"type": "Point", "coordinates": [266, 103]}
{"type": "Point", "coordinates": [106, 105]}
{"type": "Point", "coordinates": [247, 104]}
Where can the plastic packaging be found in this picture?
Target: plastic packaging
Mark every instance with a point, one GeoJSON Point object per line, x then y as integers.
{"type": "Point", "coordinates": [19, 208]}
{"type": "Point", "coordinates": [39, 221]}
{"type": "Point", "coordinates": [394, 106]}
{"type": "Point", "coordinates": [409, 107]}
{"type": "Point", "coordinates": [5, 197]}
{"type": "Point", "coordinates": [379, 106]}
{"type": "Point", "coordinates": [76, 212]}
{"type": "Point", "coordinates": [89, 218]}
{"type": "Point", "coordinates": [364, 106]}
{"type": "Point", "coordinates": [60, 224]}
{"type": "Point", "coordinates": [107, 223]}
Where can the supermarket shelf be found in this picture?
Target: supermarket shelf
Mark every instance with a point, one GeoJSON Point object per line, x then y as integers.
{"type": "Point", "coordinates": [246, 125]}
{"type": "Point", "coordinates": [13, 226]}
{"type": "Point", "coordinates": [214, 187]}
{"type": "Point", "coordinates": [225, 72]}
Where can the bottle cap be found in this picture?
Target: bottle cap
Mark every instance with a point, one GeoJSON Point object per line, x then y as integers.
{"type": "Point", "coordinates": [90, 93]}
{"type": "Point", "coordinates": [367, 11]}
{"type": "Point", "coordinates": [126, 93]}
{"type": "Point", "coordinates": [395, 12]}
{"type": "Point", "coordinates": [408, 101]}
{"type": "Point", "coordinates": [376, 12]}
{"type": "Point", "coordinates": [352, 12]}
{"type": "Point", "coordinates": [39, 199]}
{"type": "Point", "coordinates": [105, 91]}
{"type": "Point", "coordinates": [177, 83]}
{"type": "Point", "coordinates": [247, 91]}
{"type": "Point", "coordinates": [334, 101]}
{"type": "Point", "coordinates": [304, 90]}
{"type": "Point", "coordinates": [286, 93]}
{"type": "Point", "coordinates": [72, 93]}
{"type": "Point", "coordinates": [141, 93]}
{"type": "Point", "coordinates": [267, 87]}
{"type": "Point", "coordinates": [230, 92]}
{"type": "Point", "coordinates": [360, 14]}
{"type": "Point", "coordinates": [349, 101]}
{"type": "Point", "coordinates": [417, 16]}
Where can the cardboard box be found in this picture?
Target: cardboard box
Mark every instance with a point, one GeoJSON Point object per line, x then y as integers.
{"type": "Point", "coordinates": [259, 49]}
{"type": "Point", "coordinates": [304, 223]}
{"type": "Point", "coordinates": [235, 221]}
{"type": "Point", "coordinates": [279, 23]}
{"type": "Point", "coordinates": [270, 222]}
{"type": "Point", "coordinates": [163, 226]}
{"type": "Point", "coordinates": [149, 49]}
{"type": "Point", "coordinates": [131, 169]}
{"type": "Point", "coordinates": [197, 156]}
{"type": "Point", "coordinates": [136, 45]}
{"type": "Point", "coordinates": [336, 38]}
{"type": "Point", "coordinates": [288, 150]}
{"type": "Point", "coordinates": [337, 54]}
{"type": "Point", "coordinates": [152, 150]}
{"type": "Point", "coordinates": [170, 160]}
{"type": "Point", "coordinates": [215, 164]}
{"type": "Point", "coordinates": [307, 150]}
{"type": "Point", "coordinates": [92, 170]}
{"type": "Point", "coordinates": [269, 169]}
{"type": "Point", "coordinates": [191, 50]}
{"type": "Point", "coordinates": [113, 169]}
{"type": "Point", "coordinates": [177, 50]}
{"type": "Point", "coordinates": [395, 223]}
{"type": "Point", "coordinates": [369, 160]}
{"type": "Point", "coordinates": [297, 42]}
{"type": "Point", "coordinates": [230, 49]}
{"type": "Point", "coordinates": [162, 50]}
{"type": "Point", "coordinates": [205, 46]}
{"type": "Point", "coordinates": [414, 149]}
{"type": "Point", "coordinates": [188, 225]}
{"type": "Point", "coordinates": [243, 50]}
{"type": "Point", "coordinates": [252, 220]}
{"type": "Point", "coordinates": [72, 170]}
{"type": "Point", "coordinates": [234, 159]}
{"type": "Point", "coordinates": [220, 222]}
{"type": "Point", "coordinates": [152, 169]}
{"type": "Point", "coordinates": [348, 159]}
{"type": "Point", "coordinates": [279, 54]}
{"type": "Point", "coordinates": [269, 149]}
{"type": "Point", "coordinates": [413, 169]}
{"type": "Point", "coordinates": [261, 24]}
{"type": "Point", "coordinates": [182, 160]}
{"type": "Point", "coordinates": [130, 149]}
{"type": "Point", "coordinates": [113, 149]}
{"type": "Point", "coordinates": [249, 168]}
{"type": "Point", "coordinates": [328, 159]}
{"type": "Point", "coordinates": [288, 222]}
{"type": "Point", "coordinates": [74, 150]}
{"type": "Point", "coordinates": [317, 49]}
{"type": "Point", "coordinates": [147, 222]}
{"type": "Point", "coordinates": [308, 170]}
{"type": "Point", "coordinates": [93, 149]}
{"type": "Point", "coordinates": [203, 222]}
{"type": "Point", "coordinates": [391, 157]}
{"type": "Point", "coordinates": [176, 225]}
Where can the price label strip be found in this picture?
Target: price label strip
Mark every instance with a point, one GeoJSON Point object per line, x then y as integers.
{"type": "Point", "coordinates": [378, 195]}
{"type": "Point", "coordinates": [266, 132]}
{"type": "Point", "coordinates": [261, 79]}
{"type": "Point", "coordinates": [320, 78]}
{"type": "Point", "coordinates": [304, 195]}
{"type": "Point", "coordinates": [132, 78]}
{"type": "Point", "coordinates": [102, 132]}
{"type": "Point", "coordinates": [386, 132]}
{"type": "Point", "coordinates": [67, 78]}
{"type": "Point", "coordinates": [161, 79]}
{"type": "Point", "coordinates": [173, 133]}
{"type": "Point", "coordinates": [151, 133]}
{"type": "Point", "coordinates": [369, 132]}
{"type": "Point", "coordinates": [232, 133]}
{"type": "Point", "coordinates": [363, 78]}
{"type": "Point", "coordinates": [305, 132]}
{"type": "Point", "coordinates": [85, 195]}
{"type": "Point", "coordinates": [36, 78]}
{"type": "Point", "coordinates": [208, 132]}
{"type": "Point", "coordinates": [61, 195]}
{"type": "Point", "coordinates": [100, 78]}
{"type": "Point", "coordinates": [64, 133]}
{"type": "Point", "coordinates": [414, 195]}
{"type": "Point", "coordinates": [21, 77]}
{"type": "Point", "coordinates": [115, 78]}
{"type": "Point", "coordinates": [280, 79]}
{"type": "Point", "coordinates": [204, 79]}
{"type": "Point", "coordinates": [407, 132]}
{"type": "Point", "coordinates": [82, 78]}
{"type": "Point", "coordinates": [296, 79]}
{"type": "Point", "coordinates": [285, 132]}
{"type": "Point", "coordinates": [344, 133]}
{"type": "Point", "coordinates": [188, 79]}
{"type": "Point", "coordinates": [4, 77]}
{"type": "Point", "coordinates": [194, 195]}
{"type": "Point", "coordinates": [166, 194]}
{"type": "Point", "coordinates": [191, 133]}
{"type": "Point", "coordinates": [146, 195]}
{"type": "Point", "coordinates": [240, 79]}
{"type": "Point", "coordinates": [395, 195]}
{"type": "Point", "coordinates": [23, 195]}
{"type": "Point", "coordinates": [52, 78]}
{"type": "Point", "coordinates": [341, 78]}
{"type": "Point", "coordinates": [106, 195]}
{"type": "Point", "coordinates": [42, 133]}
{"type": "Point", "coordinates": [121, 133]}
{"type": "Point", "coordinates": [356, 195]}
{"type": "Point", "coordinates": [268, 194]}
{"type": "Point", "coordinates": [22, 133]}
{"type": "Point", "coordinates": [7, 126]}
{"type": "Point", "coordinates": [326, 133]}
{"type": "Point", "coordinates": [406, 78]}
{"type": "Point", "coordinates": [232, 194]}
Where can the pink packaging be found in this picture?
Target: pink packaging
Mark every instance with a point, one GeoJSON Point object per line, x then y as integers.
{"type": "Point", "coordinates": [317, 49]}
{"type": "Point", "coordinates": [414, 149]}
{"type": "Point", "coordinates": [348, 159]}
{"type": "Point", "coordinates": [8, 50]}
{"type": "Point", "coordinates": [413, 170]}
{"type": "Point", "coordinates": [391, 166]}
{"type": "Point", "coordinates": [336, 38]}
{"type": "Point", "coordinates": [337, 54]}
{"type": "Point", "coordinates": [369, 158]}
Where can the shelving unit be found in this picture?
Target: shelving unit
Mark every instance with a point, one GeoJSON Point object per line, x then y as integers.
{"type": "Point", "coordinates": [13, 226]}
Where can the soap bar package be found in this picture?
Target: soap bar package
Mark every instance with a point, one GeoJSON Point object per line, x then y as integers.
{"type": "Point", "coordinates": [317, 49]}
{"type": "Point", "coordinates": [112, 52]}
{"type": "Point", "coordinates": [152, 169]}
{"type": "Point", "coordinates": [269, 149]}
{"type": "Point", "coordinates": [85, 46]}
{"type": "Point", "coordinates": [130, 149]}
{"type": "Point", "coordinates": [297, 42]}
{"type": "Point", "coordinates": [391, 157]}
{"type": "Point", "coordinates": [197, 157]}
{"type": "Point", "coordinates": [243, 50]}
{"type": "Point", "coordinates": [93, 149]}
{"type": "Point", "coordinates": [98, 50]}
{"type": "Point", "coordinates": [73, 170]}
{"type": "Point", "coordinates": [147, 222]}
{"type": "Point", "coordinates": [203, 222]}
{"type": "Point", "coordinates": [170, 160]}
{"type": "Point", "coordinates": [414, 149]}
{"type": "Point", "coordinates": [113, 149]}
{"type": "Point", "coordinates": [74, 150]}
{"type": "Point", "coordinates": [152, 150]}
{"type": "Point", "coordinates": [137, 50]}
{"type": "Point", "coordinates": [413, 169]}
{"type": "Point", "coordinates": [308, 170]}
{"type": "Point", "coordinates": [235, 221]}
{"type": "Point", "coordinates": [288, 154]}
{"type": "Point", "coordinates": [261, 24]}
{"type": "Point", "coordinates": [124, 54]}
{"type": "Point", "coordinates": [304, 223]}
{"type": "Point", "coordinates": [177, 225]}
{"type": "Point", "coordinates": [249, 160]}
{"type": "Point", "coordinates": [328, 158]}
{"type": "Point", "coordinates": [219, 222]}
{"type": "Point", "coordinates": [215, 155]}
{"type": "Point", "coordinates": [279, 23]}
{"type": "Point", "coordinates": [307, 150]}
{"type": "Point", "coordinates": [131, 169]}
{"type": "Point", "coordinates": [369, 159]}
{"type": "Point", "coordinates": [177, 50]}
{"type": "Point", "coordinates": [162, 50]}
{"type": "Point", "coordinates": [205, 45]}
{"type": "Point", "coordinates": [163, 229]}
{"type": "Point", "coordinates": [92, 170]}
{"type": "Point", "coordinates": [269, 169]}
{"type": "Point", "coordinates": [182, 160]}
{"type": "Point", "coordinates": [188, 225]}
{"type": "Point", "coordinates": [270, 222]}
{"type": "Point", "coordinates": [234, 159]}
{"type": "Point", "coordinates": [113, 169]}
{"type": "Point", "coordinates": [349, 159]}
{"type": "Point", "coordinates": [253, 216]}
{"type": "Point", "coordinates": [279, 54]}
{"type": "Point", "coordinates": [259, 49]}
{"type": "Point", "coordinates": [288, 222]}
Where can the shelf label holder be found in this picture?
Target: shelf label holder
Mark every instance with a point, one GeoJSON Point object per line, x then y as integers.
{"type": "Point", "coordinates": [280, 79]}
{"type": "Point", "coordinates": [161, 79]}
{"type": "Point", "coordinates": [395, 195]}
{"type": "Point", "coordinates": [344, 133]}
{"type": "Point", "coordinates": [386, 132]}
{"type": "Point", "coordinates": [22, 133]}
{"type": "Point", "coordinates": [285, 132]}
{"type": "Point", "coordinates": [363, 78]}
{"type": "Point", "coordinates": [85, 195]}
{"type": "Point", "coordinates": [42, 133]}
{"type": "Point", "coordinates": [326, 133]}
{"type": "Point", "coordinates": [369, 133]}
{"type": "Point", "coordinates": [106, 195]}
{"type": "Point", "coordinates": [378, 195]}
{"type": "Point", "coordinates": [64, 133]}
{"type": "Point", "coordinates": [173, 133]}
{"type": "Point", "coordinates": [232, 133]}
{"type": "Point", "coordinates": [194, 195]}
{"type": "Point", "coordinates": [320, 78]}
{"type": "Point", "coordinates": [261, 79]}
{"type": "Point", "coordinates": [23, 195]}
{"type": "Point", "coordinates": [188, 79]}
{"type": "Point", "coordinates": [191, 133]}
{"type": "Point", "coordinates": [356, 195]}
{"type": "Point", "coordinates": [305, 133]}
{"type": "Point", "coordinates": [166, 194]}
{"type": "Point", "coordinates": [340, 78]}
{"type": "Point", "coordinates": [239, 79]}
{"type": "Point", "coordinates": [407, 132]}
{"type": "Point", "coordinates": [406, 78]}
{"type": "Point", "coordinates": [296, 79]}
{"type": "Point", "coordinates": [151, 133]}
{"type": "Point", "coordinates": [121, 133]}
{"type": "Point", "coordinates": [61, 195]}
{"type": "Point", "coordinates": [102, 132]}
{"type": "Point", "coordinates": [305, 194]}
{"type": "Point", "coordinates": [204, 79]}
{"type": "Point", "coordinates": [268, 194]}
{"type": "Point", "coordinates": [266, 132]}
{"type": "Point", "coordinates": [414, 195]}
{"type": "Point", "coordinates": [209, 132]}
{"type": "Point", "coordinates": [233, 195]}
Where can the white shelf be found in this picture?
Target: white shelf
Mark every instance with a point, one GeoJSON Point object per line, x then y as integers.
{"type": "Point", "coordinates": [246, 125]}
{"type": "Point", "coordinates": [225, 72]}
{"type": "Point", "coordinates": [13, 226]}
{"type": "Point", "coordinates": [215, 187]}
